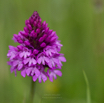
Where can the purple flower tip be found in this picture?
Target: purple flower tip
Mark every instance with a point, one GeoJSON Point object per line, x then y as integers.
{"type": "Point", "coordinates": [39, 49]}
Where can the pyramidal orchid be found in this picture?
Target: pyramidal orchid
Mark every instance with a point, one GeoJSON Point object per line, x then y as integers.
{"type": "Point", "coordinates": [38, 53]}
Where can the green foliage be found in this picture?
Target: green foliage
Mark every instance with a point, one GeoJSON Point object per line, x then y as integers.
{"type": "Point", "coordinates": [79, 25]}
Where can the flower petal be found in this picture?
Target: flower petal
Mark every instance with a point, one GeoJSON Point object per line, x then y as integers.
{"type": "Point", "coordinates": [20, 66]}
{"type": "Point", "coordinates": [44, 77]}
{"type": "Point", "coordinates": [23, 73]}
{"type": "Point", "coordinates": [34, 78]}
{"type": "Point", "coordinates": [40, 79]}
{"type": "Point", "coordinates": [59, 73]}
{"type": "Point", "coordinates": [28, 71]}
{"type": "Point", "coordinates": [62, 59]}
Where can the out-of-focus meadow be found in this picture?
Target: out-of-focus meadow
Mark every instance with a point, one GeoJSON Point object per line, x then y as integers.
{"type": "Point", "coordinates": [80, 27]}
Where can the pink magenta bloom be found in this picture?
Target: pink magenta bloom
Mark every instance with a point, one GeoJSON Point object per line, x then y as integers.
{"type": "Point", "coordinates": [39, 49]}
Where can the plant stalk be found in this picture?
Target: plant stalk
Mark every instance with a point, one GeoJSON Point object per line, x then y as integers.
{"type": "Point", "coordinates": [32, 91]}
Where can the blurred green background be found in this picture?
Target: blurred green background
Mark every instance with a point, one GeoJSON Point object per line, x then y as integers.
{"type": "Point", "coordinates": [80, 27]}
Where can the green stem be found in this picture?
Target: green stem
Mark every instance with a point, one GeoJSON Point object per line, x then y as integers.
{"type": "Point", "coordinates": [88, 88]}
{"type": "Point", "coordinates": [32, 91]}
